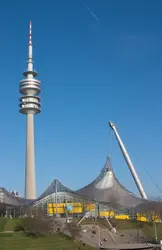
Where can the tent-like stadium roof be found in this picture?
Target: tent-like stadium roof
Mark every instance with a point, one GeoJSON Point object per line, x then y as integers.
{"type": "Point", "coordinates": [105, 189]}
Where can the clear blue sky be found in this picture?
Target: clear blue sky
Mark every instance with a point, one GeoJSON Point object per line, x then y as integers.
{"type": "Point", "coordinates": [91, 71]}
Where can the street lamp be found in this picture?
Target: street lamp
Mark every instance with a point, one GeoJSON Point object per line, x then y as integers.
{"type": "Point", "coordinates": [155, 228]}
{"type": "Point", "coordinates": [99, 237]}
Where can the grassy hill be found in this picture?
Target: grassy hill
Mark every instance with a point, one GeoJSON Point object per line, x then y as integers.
{"type": "Point", "coordinates": [7, 224]}
{"type": "Point", "coordinates": [17, 241]}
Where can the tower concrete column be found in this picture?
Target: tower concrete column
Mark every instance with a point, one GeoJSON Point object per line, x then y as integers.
{"type": "Point", "coordinates": [30, 105]}
{"type": "Point", "coordinates": [30, 185]}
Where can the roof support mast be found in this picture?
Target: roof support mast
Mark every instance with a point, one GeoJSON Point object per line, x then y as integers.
{"type": "Point", "coordinates": [129, 162]}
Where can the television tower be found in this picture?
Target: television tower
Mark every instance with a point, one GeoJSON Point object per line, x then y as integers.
{"type": "Point", "coordinates": [29, 106]}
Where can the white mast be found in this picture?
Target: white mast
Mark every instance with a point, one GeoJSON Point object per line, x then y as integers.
{"type": "Point", "coordinates": [30, 49]}
{"type": "Point", "coordinates": [129, 162]}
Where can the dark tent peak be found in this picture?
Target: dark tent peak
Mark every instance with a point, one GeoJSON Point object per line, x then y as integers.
{"type": "Point", "coordinates": [107, 166]}
{"type": "Point", "coordinates": [55, 186]}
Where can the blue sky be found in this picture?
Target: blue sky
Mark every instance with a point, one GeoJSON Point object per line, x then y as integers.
{"type": "Point", "coordinates": [91, 71]}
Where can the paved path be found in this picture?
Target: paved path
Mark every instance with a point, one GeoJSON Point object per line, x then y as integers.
{"type": "Point", "coordinates": [132, 246]}
{"type": "Point", "coordinates": [6, 232]}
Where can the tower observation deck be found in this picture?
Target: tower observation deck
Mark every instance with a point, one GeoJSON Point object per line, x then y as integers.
{"type": "Point", "coordinates": [30, 104]}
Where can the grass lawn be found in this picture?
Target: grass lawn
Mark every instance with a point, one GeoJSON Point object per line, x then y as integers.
{"type": "Point", "coordinates": [147, 228]}
{"type": "Point", "coordinates": [10, 224]}
{"type": "Point", "coordinates": [118, 224]}
{"type": "Point", "coordinates": [17, 241]}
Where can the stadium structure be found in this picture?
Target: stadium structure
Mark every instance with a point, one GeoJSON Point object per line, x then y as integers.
{"type": "Point", "coordinates": [105, 196]}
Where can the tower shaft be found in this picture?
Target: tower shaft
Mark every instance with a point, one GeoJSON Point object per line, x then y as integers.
{"type": "Point", "coordinates": [30, 185]}
{"type": "Point", "coordinates": [30, 104]}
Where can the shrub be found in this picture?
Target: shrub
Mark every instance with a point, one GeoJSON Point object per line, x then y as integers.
{"type": "Point", "coordinates": [38, 226]}
{"type": "Point", "coordinates": [150, 223]}
{"type": "Point", "coordinates": [2, 224]}
{"type": "Point", "coordinates": [19, 227]}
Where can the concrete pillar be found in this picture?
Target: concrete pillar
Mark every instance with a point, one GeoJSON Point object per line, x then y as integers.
{"type": "Point", "coordinates": [30, 186]}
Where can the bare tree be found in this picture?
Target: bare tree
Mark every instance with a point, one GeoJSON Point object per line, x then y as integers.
{"type": "Point", "coordinates": [72, 230]}
{"type": "Point", "coordinates": [84, 206]}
